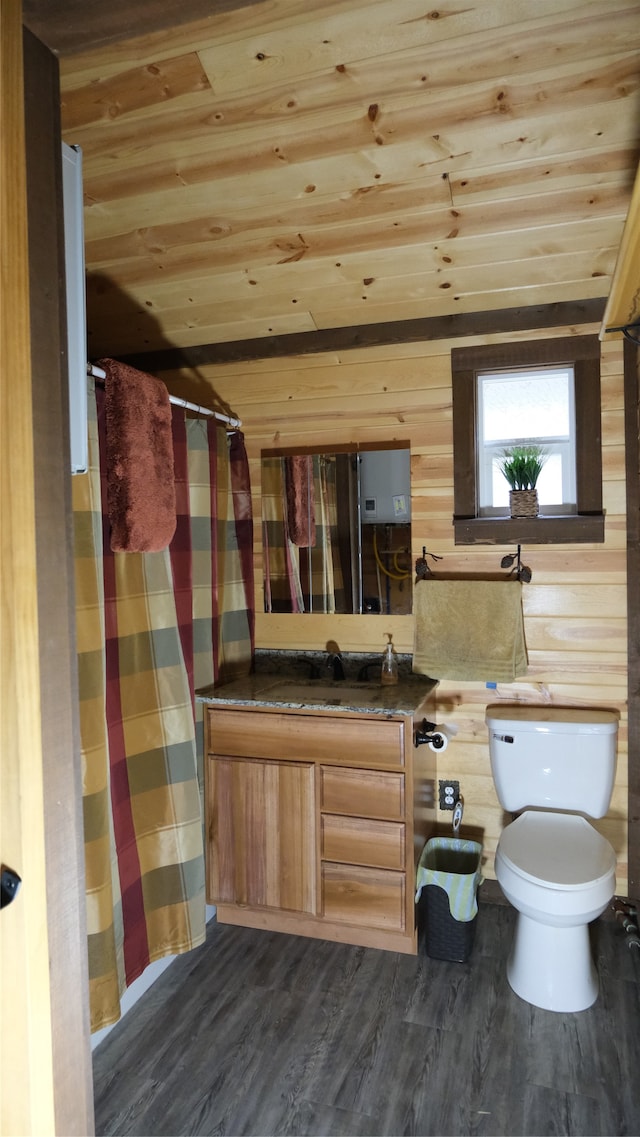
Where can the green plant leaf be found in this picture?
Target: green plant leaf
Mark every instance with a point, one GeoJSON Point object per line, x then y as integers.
{"type": "Point", "coordinates": [522, 465]}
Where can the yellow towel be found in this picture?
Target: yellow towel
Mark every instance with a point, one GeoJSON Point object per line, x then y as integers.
{"type": "Point", "coordinates": [469, 629]}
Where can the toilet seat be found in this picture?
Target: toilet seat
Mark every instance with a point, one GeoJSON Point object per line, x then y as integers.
{"type": "Point", "coordinates": [556, 850]}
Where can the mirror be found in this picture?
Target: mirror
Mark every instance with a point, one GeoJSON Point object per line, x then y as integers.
{"type": "Point", "coordinates": [336, 531]}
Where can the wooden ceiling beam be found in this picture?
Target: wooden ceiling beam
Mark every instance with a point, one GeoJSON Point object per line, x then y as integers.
{"type": "Point", "coordinates": [74, 26]}
{"type": "Point", "coordinates": [453, 326]}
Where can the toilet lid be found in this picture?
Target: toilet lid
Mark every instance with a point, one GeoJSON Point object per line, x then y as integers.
{"type": "Point", "coordinates": [559, 849]}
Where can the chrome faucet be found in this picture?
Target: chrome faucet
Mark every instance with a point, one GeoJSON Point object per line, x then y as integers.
{"type": "Point", "coordinates": [334, 662]}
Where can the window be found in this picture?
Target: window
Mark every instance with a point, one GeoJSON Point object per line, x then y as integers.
{"type": "Point", "coordinates": [520, 408]}
{"type": "Point", "coordinates": [539, 391]}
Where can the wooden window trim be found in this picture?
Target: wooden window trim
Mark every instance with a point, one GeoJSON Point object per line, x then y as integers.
{"type": "Point", "coordinates": [587, 525]}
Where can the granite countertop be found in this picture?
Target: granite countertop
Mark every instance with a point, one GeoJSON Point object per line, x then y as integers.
{"type": "Point", "coordinates": [278, 682]}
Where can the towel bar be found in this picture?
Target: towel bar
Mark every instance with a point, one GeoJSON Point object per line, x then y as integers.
{"type": "Point", "coordinates": [519, 570]}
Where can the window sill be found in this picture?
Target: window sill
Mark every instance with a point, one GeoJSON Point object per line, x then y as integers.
{"type": "Point", "coordinates": [553, 530]}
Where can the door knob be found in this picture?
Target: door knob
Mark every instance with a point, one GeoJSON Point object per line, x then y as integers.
{"type": "Point", "coordinates": [9, 884]}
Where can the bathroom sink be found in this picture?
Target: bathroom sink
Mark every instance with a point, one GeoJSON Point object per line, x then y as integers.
{"type": "Point", "coordinates": [335, 694]}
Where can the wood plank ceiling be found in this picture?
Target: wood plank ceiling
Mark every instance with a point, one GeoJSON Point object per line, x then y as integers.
{"type": "Point", "coordinates": [287, 167]}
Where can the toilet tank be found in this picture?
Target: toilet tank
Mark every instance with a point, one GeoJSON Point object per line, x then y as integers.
{"type": "Point", "coordinates": [553, 757]}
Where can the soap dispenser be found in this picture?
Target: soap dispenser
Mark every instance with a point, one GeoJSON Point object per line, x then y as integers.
{"type": "Point", "coordinates": [389, 672]}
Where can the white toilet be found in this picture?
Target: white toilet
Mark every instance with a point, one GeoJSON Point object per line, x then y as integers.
{"type": "Point", "coordinates": [551, 765]}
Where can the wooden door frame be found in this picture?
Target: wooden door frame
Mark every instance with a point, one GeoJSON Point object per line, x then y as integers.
{"type": "Point", "coordinates": [26, 1067]}
{"type": "Point", "coordinates": [64, 847]}
{"type": "Point", "coordinates": [632, 474]}
{"type": "Point", "coordinates": [45, 1066]}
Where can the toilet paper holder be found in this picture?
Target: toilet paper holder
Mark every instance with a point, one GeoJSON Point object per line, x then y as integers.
{"type": "Point", "coordinates": [427, 734]}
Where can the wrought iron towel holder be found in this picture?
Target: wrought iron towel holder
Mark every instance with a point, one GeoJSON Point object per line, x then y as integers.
{"type": "Point", "coordinates": [512, 561]}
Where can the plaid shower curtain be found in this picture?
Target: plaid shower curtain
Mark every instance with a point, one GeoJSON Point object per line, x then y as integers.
{"type": "Point", "coordinates": [327, 588]}
{"type": "Point", "coordinates": [301, 579]}
{"type": "Point", "coordinates": [223, 603]}
{"type": "Point", "coordinates": [150, 630]}
{"type": "Point", "coordinates": [283, 589]}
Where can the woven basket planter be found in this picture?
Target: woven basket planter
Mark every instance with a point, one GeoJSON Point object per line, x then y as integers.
{"type": "Point", "coordinates": [523, 503]}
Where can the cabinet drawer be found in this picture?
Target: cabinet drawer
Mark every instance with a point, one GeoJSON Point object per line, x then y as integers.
{"type": "Point", "coordinates": [374, 898]}
{"type": "Point", "coordinates": [362, 793]}
{"type": "Point", "coordinates": [262, 734]}
{"type": "Point", "coordinates": [360, 841]}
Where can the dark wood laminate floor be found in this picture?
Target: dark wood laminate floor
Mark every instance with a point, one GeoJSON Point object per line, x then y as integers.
{"type": "Point", "coordinates": [261, 1033]}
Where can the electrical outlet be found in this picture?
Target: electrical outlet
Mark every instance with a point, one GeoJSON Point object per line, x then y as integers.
{"type": "Point", "coordinates": [448, 793]}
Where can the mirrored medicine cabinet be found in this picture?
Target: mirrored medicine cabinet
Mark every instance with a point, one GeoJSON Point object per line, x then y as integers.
{"type": "Point", "coordinates": [336, 531]}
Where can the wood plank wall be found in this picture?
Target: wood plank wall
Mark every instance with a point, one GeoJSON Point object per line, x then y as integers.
{"type": "Point", "coordinates": [575, 606]}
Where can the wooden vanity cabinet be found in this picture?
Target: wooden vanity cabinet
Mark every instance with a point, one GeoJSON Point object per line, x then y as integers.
{"type": "Point", "coordinates": [315, 821]}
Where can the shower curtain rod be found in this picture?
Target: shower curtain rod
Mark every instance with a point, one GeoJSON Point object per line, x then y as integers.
{"type": "Point", "coordinates": [233, 423]}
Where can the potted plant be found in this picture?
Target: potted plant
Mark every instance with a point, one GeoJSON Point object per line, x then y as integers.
{"type": "Point", "coordinates": [521, 466]}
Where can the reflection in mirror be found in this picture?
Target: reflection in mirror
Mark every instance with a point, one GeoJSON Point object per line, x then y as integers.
{"type": "Point", "coordinates": [336, 532]}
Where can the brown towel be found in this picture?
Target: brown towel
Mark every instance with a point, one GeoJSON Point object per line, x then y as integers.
{"type": "Point", "coordinates": [141, 496]}
{"type": "Point", "coordinates": [301, 512]}
{"type": "Point", "coordinates": [469, 629]}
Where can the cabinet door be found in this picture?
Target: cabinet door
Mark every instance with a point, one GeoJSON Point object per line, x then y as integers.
{"type": "Point", "coordinates": [261, 848]}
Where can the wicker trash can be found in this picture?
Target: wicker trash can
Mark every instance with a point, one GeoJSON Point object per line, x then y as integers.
{"type": "Point", "coordinates": [447, 883]}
